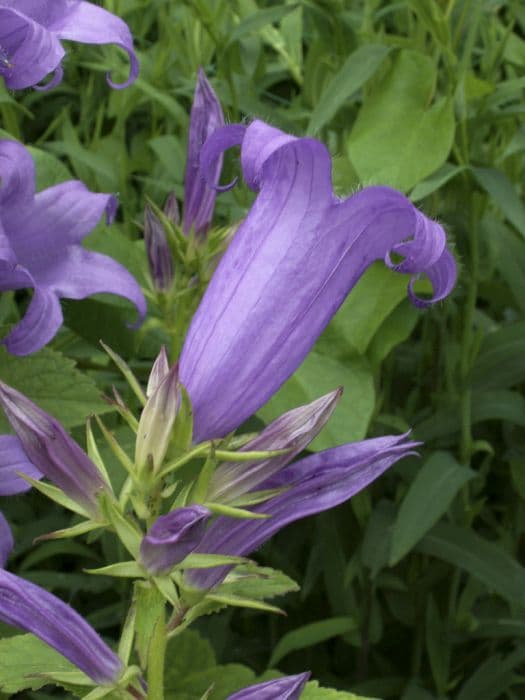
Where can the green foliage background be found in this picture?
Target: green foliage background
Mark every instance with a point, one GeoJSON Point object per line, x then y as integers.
{"type": "Point", "coordinates": [415, 589]}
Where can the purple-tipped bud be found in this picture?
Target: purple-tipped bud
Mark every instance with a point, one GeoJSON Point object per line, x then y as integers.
{"type": "Point", "coordinates": [199, 198]}
{"type": "Point", "coordinates": [157, 419]}
{"type": "Point", "coordinates": [172, 537]}
{"type": "Point", "coordinates": [159, 372]}
{"type": "Point", "coordinates": [158, 250]}
{"type": "Point", "coordinates": [33, 609]}
{"type": "Point", "coordinates": [171, 209]}
{"type": "Point", "coordinates": [52, 451]}
{"type": "Point", "coordinates": [292, 431]}
{"type": "Point", "coordinates": [6, 541]}
{"type": "Point", "coordinates": [285, 688]}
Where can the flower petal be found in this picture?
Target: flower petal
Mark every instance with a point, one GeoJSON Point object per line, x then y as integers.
{"type": "Point", "coordinates": [13, 460]}
{"type": "Point", "coordinates": [17, 176]}
{"type": "Point", "coordinates": [6, 540]}
{"type": "Point", "coordinates": [31, 608]}
{"type": "Point", "coordinates": [291, 264]}
{"type": "Point", "coordinates": [42, 320]}
{"type": "Point", "coordinates": [205, 118]}
{"type": "Point", "coordinates": [89, 24]}
{"type": "Point", "coordinates": [32, 51]}
{"type": "Point", "coordinates": [317, 483]}
{"type": "Point", "coordinates": [285, 688]}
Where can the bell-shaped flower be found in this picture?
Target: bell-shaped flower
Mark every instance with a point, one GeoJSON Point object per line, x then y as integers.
{"type": "Point", "coordinates": [31, 32]}
{"type": "Point", "coordinates": [291, 432]}
{"type": "Point", "coordinates": [158, 415]}
{"type": "Point", "coordinates": [40, 236]}
{"type": "Point", "coordinates": [312, 485]}
{"type": "Point", "coordinates": [158, 251]}
{"type": "Point", "coordinates": [292, 262]}
{"type": "Point", "coordinates": [285, 688]}
{"type": "Point", "coordinates": [33, 609]}
{"type": "Point", "coordinates": [50, 449]}
{"type": "Point", "coordinates": [199, 199]}
{"type": "Point", "coordinates": [172, 537]}
{"type": "Point", "coordinates": [6, 540]}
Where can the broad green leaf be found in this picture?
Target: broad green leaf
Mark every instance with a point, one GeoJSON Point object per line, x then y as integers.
{"type": "Point", "coordinates": [250, 580]}
{"type": "Point", "coordinates": [428, 498]}
{"type": "Point", "coordinates": [353, 74]}
{"type": "Point", "coordinates": [49, 169]}
{"type": "Point", "coordinates": [378, 536]}
{"type": "Point", "coordinates": [497, 404]}
{"type": "Point", "coordinates": [500, 361]}
{"type": "Point", "coordinates": [502, 191]}
{"type": "Point", "coordinates": [395, 329]}
{"type": "Point", "coordinates": [23, 658]}
{"type": "Point", "coordinates": [54, 384]}
{"type": "Point", "coordinates": [398, 139]}
{"type": "Point", "coordinates": [319, 375]}
{"type": "Point", "coordinates": [308, 635]}
{"type": "Point", "coordinates": [432, 183]}
{"type": "Point", "coordinates": [487, 561]}
{"type": "Point", "coordinates": [312, 691]}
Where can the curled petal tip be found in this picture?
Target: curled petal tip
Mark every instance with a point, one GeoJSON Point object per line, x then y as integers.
{"type": "Point", "coordinates": [220, 141]}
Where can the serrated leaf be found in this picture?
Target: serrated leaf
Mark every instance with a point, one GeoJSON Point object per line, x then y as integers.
{"type": "Point", "coordinates": [250, 580]}
{"type": "Point", "coordinates": [428, 498]}
{"type": "Point", "coordinates": [54, 384]}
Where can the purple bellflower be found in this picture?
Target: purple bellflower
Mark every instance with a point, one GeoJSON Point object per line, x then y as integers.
{"type": "Point", "coordinates": [313, 484]}
{"type": "Point", "coordinates": [33, 609]}
{"type": "Point", "coordinates": [292, 262]}
{"type": "Point", "coordinates": [48, 447]}
{"type": "Point", "coordinates": [6, 540]}
{"type": "Point", "coordinates": [31, 31]}
{"type": "Point", "coordinates": [40, 237]}
{"type": "Point", "coordinates": [172, 537]}
{"type": "Point", "coordinates": [285, 688]}
{"type": "Point", "coordinates": [199, 199]}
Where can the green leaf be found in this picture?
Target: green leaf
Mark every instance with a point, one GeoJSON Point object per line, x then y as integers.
{"type": "Point", "coordinates": [54, 384]}
{"type": "Point", "coordinates": [312, 691]}
{"type": "Point", "coordinates": [397, 138]}
{"type": "Point", "coordinates": [500, 361]}
{"type": "Point", "coordinates": [493, 677]}
{"type": "Point", "coordinates": [250, 580]}
{"type": "Point", "coordinates": [257, 20]}
{"type": "Point", "coordinates": [49, 169]}
{"type": "Point", "coordinates": [428, 498]}
{"type": "Point", "coordinates": [487, 561]}
{"type": "Point", "coordinates": [432, 183]}
{"type": "Point", "coordinates": [148, 603]}
{"type": "Point", "coordinates": [24, 658]}
{"type": "Point", "coordinates": [308, 635]}
{"type": "Point", "coordinates": [359, 67]}
{"type": "Point", "coordinates": [502, 191]}
{"type": "Point", "coordinates": [319, 375]}
{"type": "Point", "coordinates": [438, 645]}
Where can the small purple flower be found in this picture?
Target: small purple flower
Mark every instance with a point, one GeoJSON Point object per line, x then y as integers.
{"type": "Point", "coordinates": [292, 262]}
{"type": "Point", "coordinates": [158, 251]}
{"type": "Point", "coordinates": [30, 34]}
{"type": "Point", "coordinates": [313, 484]}
{"type": "Point", "coordinates": [172, 537]}
{"type": "Point", "coordinates": [285, 688]}
{"type": "Point", "coordinates": [40, 237]}
{"type": "Point", "coordinates": [205, 118]}
{"type": "Point", "coordinates": [33, 609]}
{"type": "Point", "coordinates": [292, 431]}
{"type": "Point", "coordinates": [6, 540]}
{"type": "Point", "coordinates": [50, 449]}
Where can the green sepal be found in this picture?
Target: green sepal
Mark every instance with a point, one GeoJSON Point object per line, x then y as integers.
{"type": "Point", "coordinates": [148, 602]}
{"type": "Point", "coordinates": [128, 374]}
{"type": "Point", "coordinates": [255, 497]}
{"type": "Point", "coordinates": [179, 462]}
{"type": "Point", "coordinates": [127, 532]}
{"type": "Point", "coordinates": [168, 590]}
{"type": "Point", "coordinates": [208, 561]}
{"type": "Point", "coordinates": [183, 497]}
{"type": "Point", "coordinates": [125, 645]}
{"type": "Point", "coordinates": [238, 602]}
{"type": "Point", "coordinates": [68, 678]}
{"type": "Point", "coordinates": [94, 454]}
{"type": "Point", "coordinates": [120, 407]}
{"type": "Point", "coordinates": [56, 495]}
{"type": "Point", "coordinates": [117, 450]}
{"type": "Point", "coordinates": [231, 512]}
{"type": "Point", "coordinates": [200, 488]}
{"type": "Point", "coordinates": [122, 569]}
{"type": "Point", "coordinates": [74, 531]}
{"type": "Point", "coordinates": [256, 456]}
{"type": "Point", "coordinates": [183, 426]}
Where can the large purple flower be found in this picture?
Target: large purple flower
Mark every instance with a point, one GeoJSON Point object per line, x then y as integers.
{"type": "Point", "coordinates": [311, 485]}
{"type": "Point", "coordinates": [31, 30]}
{"type": "Point", "coordinates": [40, 236]}
{"type": "Point", "coordinates": [290, 266]}
{"type": "Point", "coordinates": [31, 608]}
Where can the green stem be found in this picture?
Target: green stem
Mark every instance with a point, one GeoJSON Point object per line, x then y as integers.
{"type": "Point", "coordinates": [156, 656]}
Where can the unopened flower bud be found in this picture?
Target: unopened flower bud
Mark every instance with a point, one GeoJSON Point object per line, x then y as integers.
{"type": "Point", "coordinates": [171, 209]}
{"type": "Point", "coordinates": [159, 372]}
{"type": "Point", "coordinates": [158, 250]}
{"type": "Point", "coordinates": [156, 421]}
{"type": "Point", "coordinates": [172, 537]}
{"type": "Point", "coordinates": [285, 688]}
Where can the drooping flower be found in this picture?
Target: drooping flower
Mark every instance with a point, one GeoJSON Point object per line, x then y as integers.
{"type": "Point", "coordinates": [289, 267]}
{"type": "Point", "coordinates": [40, 236]}
{"type": "Point", "coordinates": [292, 432]}
{"type": "Point", "coordinates": [31, 31]}
{"type": "Point", "coordinates": [205, 118]}
{"type": "Point", "coordinates": [313, 484]}
{"type": "Point", "coordinates": [33, 609]}
{"type": "Point", "coordinates": [172, 537]}
{"type": "Point", "coordinates": [49, 448]}
{"type": "Point", "coordinates": [285, 688]}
